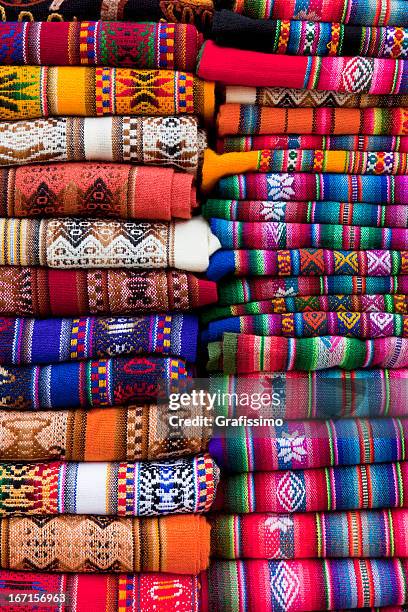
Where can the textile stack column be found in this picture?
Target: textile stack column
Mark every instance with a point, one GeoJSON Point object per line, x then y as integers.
{"type": "Point", "coordinates": [101, 135]}
{"type": "Point", "coordinates": [308, 195]}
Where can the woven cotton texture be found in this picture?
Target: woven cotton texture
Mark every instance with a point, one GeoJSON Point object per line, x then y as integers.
{"type": "Point", "coordinates": [331, 143]}
{"type": "Point", "coordinates": [181, 486]}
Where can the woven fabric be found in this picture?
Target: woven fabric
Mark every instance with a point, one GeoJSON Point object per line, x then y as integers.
{"type": "Point", "coordinates": [105, 544]}
{"type": "Point", "coordinates": [25, 340]}
{"type": "Point", "coordinates": [252, 119]}
{"type": "Point", "coordinates": [344, 74]}
{"type": "Point", "coordinates": [41, 292]}
{"type": "Point", "coordinates": [365, 12]}
{"type": "Point", "coordinates": [29, 92]}
{"type": "Point", "coordinates": [98, 383]}
{"type": "Point", "coordinates": [305, 187]}
{"type": "Point", "coordinates": [332, 213]}
{"type": "Point", "coordinates": [160, 141]}
{"type": "Point", "coordinates": [96, 189]}
{"type": "Point", "coordinates": [245, 353]}
{"type": "Point", "coordinates": [364, 325]}
{"type": "Point", "coordinates": [294, 98]}
{"type": "Point", "coordinates": [311, 536]}
{"type": "Point", "coordinates": [134, 433]}
{"type": "Point", "coordinates": [241, 291]}
{"type": "Point", "coordinates": [301, 160]}
{"type": "Point", "coordinates": [331, 143]}
{"type": "Point", "coordinates": [322, 394]}
{"type": "Point", "coordinates": [271, 235]}
{"type": "Point", "coordinates": [180, 486]}
{"type": "Point", "coordinates": [95, 243]}
{"type": "Point", "coordinates": [306, 586]}
{"type": "Point", "coordinates": [312, 444]}
{"type": "Point", "coordinates": [308, 37]}
{"type": "Point", "coordinates": [94, 43]}
{"type": "Point", "coordinates": [373, 486]}
{"type": "Point", "coordinates": [105, 592]}
{"type": "Point", "coordinates": [187, 11]}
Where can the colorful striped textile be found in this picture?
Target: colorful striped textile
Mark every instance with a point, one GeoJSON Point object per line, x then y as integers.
{"type": "Point", "coordinates": [365, 12]}
{"type": "Point", "coordinates": [95, 243]}
{"type": "Point", "coordinates": [372, 486]}
{"type": "Point", "coordinates": [40, 292]}
{"type": "Point", "coordinates": [322, 394]}
{"type": "Point", "coordinates": [307, 262]}
{"type": "Point", "coordinates": [335, 213]}
{"type": "Point", "coordinates": [307, 37]}
{"type": "Point", "coordinates": [83, 384]}
{"type": "Point", "coordinates": [272, 235]}
{"type": "Point", "coordinates": [244, 290]}
{"type": "Point", "coordinates": [96, 190]}
{"type": "Point", "coordinates": [29, 92]}
{"type": "Point", "coordinates": [105, 544]}
{"type": "Point", "coordinates": [364, 325]}
{"type": "Point", "coordinates": [94, 43]}
{"type": "Point", "coordinates": [134, 433]}
{"type": "Point", "coordinates": [307, 586]}
{"type": "Point", "coordinates": [159, 141]}
{"type": "Point", "coordinates": [25, 340]}
{"type": "Point", "coordinates": [368, 534]}
{"type": "Point", "coordinates": [305, 187]}
{"type": "Point", "coordinates": [245, 353]}
{"type": "Point", "coordinates": [345, 74]}
{"type": "Point", "coordinates": [294, 98]}
{"type": "Point", "coordinates": [186, 11]}
{"type": "Point", "coordinates": [180, 486]}
{"type": "Point", "coordinates": [250, 119]}
{"type": "Point", "coordinates": [298, 445]}
{"type": "Point", "coordinates": [300, 160]}
{"type": "Point", "coordinates": [104, 592]}
{"type": "Point", "coordinates": [231, 144]}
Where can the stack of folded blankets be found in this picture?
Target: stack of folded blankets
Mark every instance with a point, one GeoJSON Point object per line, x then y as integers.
{"type": "Point", "coordinates": [101, 135]}
{"type": "Point", "coordinates": [309, 199]}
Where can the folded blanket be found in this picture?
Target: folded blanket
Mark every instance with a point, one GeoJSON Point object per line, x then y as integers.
{"type": "Point", "coordinates": [96, 189]}
{"type": "Point", "coordinates": [40, 292]}
{"type": "Point", "coordinates": [334, 143]}
{"type": "Point", "coordinates": [106, 544]}
{"type": "Point", "coordinates": [272, 235]}
{"type": "Point", "coordinates": [245, 353]}
{"type": "Point", "coordinates": [311, 444]}
{"type": "Point", "coordinates": [305, 187]}
{"type": "Point", "coordinates": [138, 45]}
{"type": "Point", "coordinates": [300, 160]}
{"type": "Point", "coordinates": [323, 394]}
{"type": "Point", "coordinates": [158, 141]}
{"type": "Point", "coordinates": [32, 91]}
{"type": "Point", "coordinates": [94, 243]}
{"type": "Point", "coordinates": [307, 586]}
{"type": "Point", "coordinates": [105, 592]}
{"type": "Point", "coordinates": [251, 119]}
{"type": "Point", "coordinates": [364, 325]}
{"type": "Point", "coordinates": [134, 433]}
{"type": "Point", "coordinates": [243, 290]}
{"type": "Point", "coordinates": [188, 11]}
{"type": "Point", "coordinates": [332, 213]}
{"type": "Point", "coordinates": [310, 536]}
{"type": "Point", "coordinates": [181, 486]}
{"type": "Point", "coordinates": [307, 37]}
{"type": "Point", "coordinates": [98, 383]}
{"type": "Point", "coordinates": [349, 74]}
{"type": "Point", "coordinates": [365, 12]}
{"type": "Point", "coordinates": [294, 98]}
{"type": "Point", "coordinates": [25, 341]}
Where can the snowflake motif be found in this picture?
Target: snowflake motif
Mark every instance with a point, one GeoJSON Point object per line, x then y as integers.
{"type": "Point", "coordinates": [280, 186]}
{"type": "Point", "coordinates": [291, 447]}
{"type": "Point", "coordinates": [273, 211]}
{"type": "Point", "coordinates": [278, 523]}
